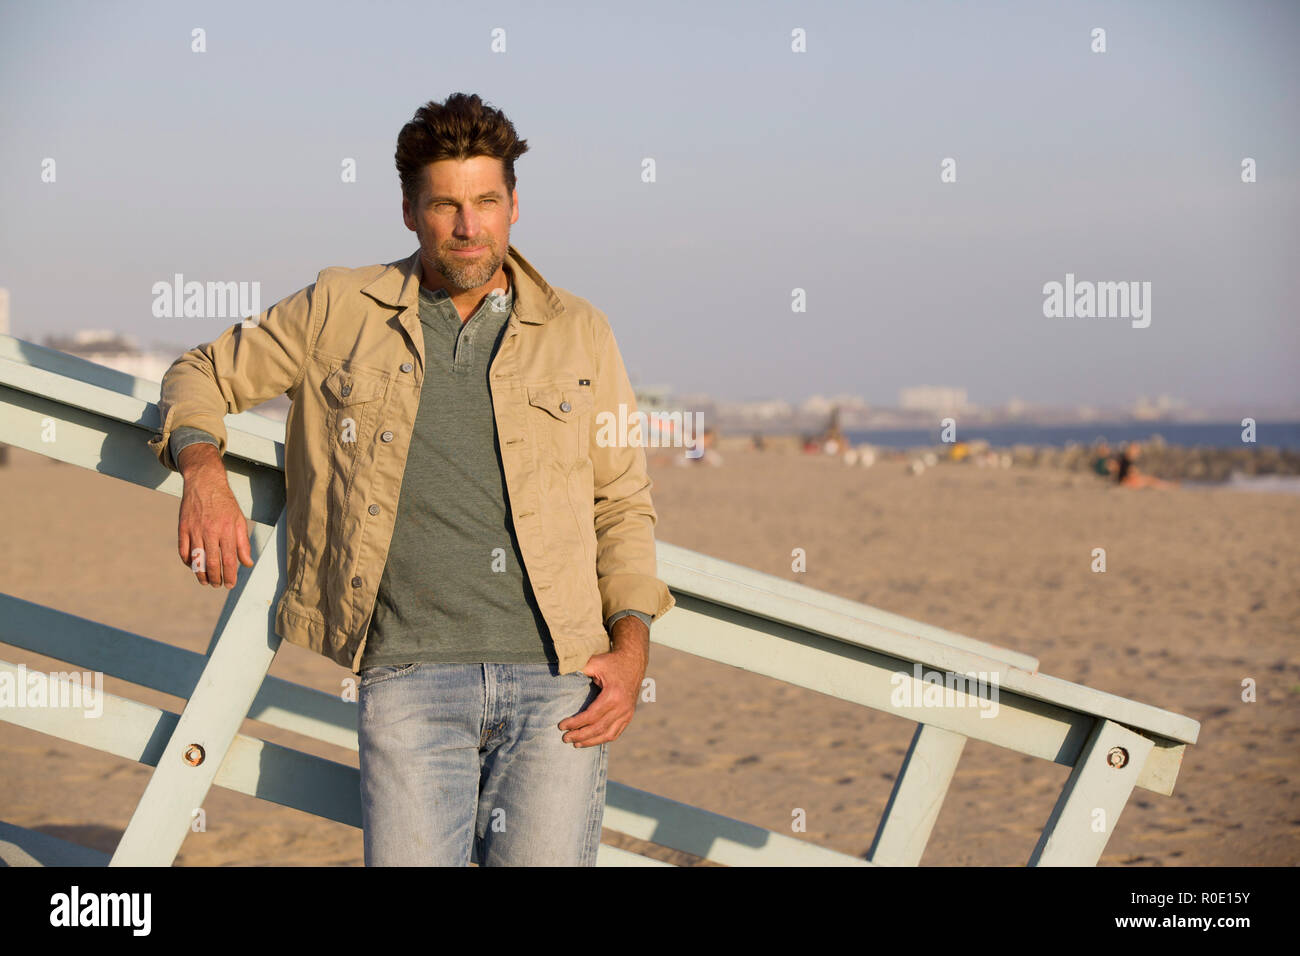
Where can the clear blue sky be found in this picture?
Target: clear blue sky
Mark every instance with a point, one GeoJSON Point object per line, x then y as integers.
{"type": "Point", "coordinates": [776, 170]}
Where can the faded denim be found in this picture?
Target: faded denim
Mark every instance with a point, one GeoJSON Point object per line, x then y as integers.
{"type": "Point", "coordinates": [462, 761]}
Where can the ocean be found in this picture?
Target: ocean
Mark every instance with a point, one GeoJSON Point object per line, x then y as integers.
{"type": "Point", "coordinates": [1226, 435]}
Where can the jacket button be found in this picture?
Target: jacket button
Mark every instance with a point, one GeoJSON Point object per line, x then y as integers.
{"type": "Point", "coordinates": [356, 582]}
{"type": "Point", "coordinates": [387, 436]}
{"type": "Point", "coordinates": [407, 367]}
{"type": "Point", "coordinates": [565, 406]}
{"type": "Point", "coordinates": [374, 509]}
{"type": "Point", "coordinates": [346, 390]}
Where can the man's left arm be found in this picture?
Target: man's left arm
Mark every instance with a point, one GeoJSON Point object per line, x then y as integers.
{"type": "Point", "coordinates": [625, 518]}
{"type": "Point", "coordinates": [631, 593]}
{"type": "Point", "coordinates": [631, 639]}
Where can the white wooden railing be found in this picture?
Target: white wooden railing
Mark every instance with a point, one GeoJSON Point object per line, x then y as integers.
{"type": "Point", "coordinates": [725, 613]}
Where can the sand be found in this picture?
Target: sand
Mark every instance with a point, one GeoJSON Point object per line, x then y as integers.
{"type": "Point", "coordinates": [1202, 590]}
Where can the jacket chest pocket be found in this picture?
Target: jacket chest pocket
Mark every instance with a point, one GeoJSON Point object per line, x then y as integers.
{"type": "Point", "coordinates": [354, 398]}
{"type": "Point", "coordinates": [560, 419]}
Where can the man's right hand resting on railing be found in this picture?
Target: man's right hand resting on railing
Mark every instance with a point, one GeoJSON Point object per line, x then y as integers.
{"type": "Point", "coordinates": [212, 536]}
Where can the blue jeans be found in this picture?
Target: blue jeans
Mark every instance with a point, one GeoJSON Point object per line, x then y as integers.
{"type": "Point", "coordinates": [461, 757]}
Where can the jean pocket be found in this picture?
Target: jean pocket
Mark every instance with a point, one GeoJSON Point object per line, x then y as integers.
{"type": "Point", "coordinates": [375, 675]}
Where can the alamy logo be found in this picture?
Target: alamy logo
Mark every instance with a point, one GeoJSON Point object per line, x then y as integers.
{"type": "Point", "coordinates": [179, 299]}
{"type": "Point", "coordinates": [1100, 300]}
{"type": "Point", "coordinates": [75, 908]}
{"type": "Point", "coordinates": [945, 689]}
{"type": "Point", "coordinates": [60, 689]}
{"type": "Point", "coordinates": [656, 429]}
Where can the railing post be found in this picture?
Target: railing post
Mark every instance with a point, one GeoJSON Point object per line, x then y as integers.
{"type": "Point", "coordinates": [244, 646]}
{"type": "Point", "coordinates": [1093, 797]}
{"type": "Point", "coordinates": [917, 797]}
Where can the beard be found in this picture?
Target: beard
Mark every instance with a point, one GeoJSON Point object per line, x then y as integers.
{"type": "Point", "coordinates": [465, 274]}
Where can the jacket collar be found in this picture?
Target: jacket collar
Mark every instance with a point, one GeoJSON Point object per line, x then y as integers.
{"type": "Point", "coordinates": [534, 300]}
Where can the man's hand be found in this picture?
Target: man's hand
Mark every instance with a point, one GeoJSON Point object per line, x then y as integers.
{"type": "Point", "coordinates": [212, 535]}
{"type": "Point", "coordinates": [618, 674]}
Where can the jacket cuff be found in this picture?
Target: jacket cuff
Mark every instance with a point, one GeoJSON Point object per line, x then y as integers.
{"type": "Point", "coordinates": [638, 592]}
{"type": "Point", "coordinates": [185, 435]}
{"type": "Point", "coordinates": [161, 444]}
{"type": "Point", "coordinates": [639, 615]}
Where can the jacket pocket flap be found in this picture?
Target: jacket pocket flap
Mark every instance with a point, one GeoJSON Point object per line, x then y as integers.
{"type": "Point", "coordinates": [350, 386]}
{"type": "Point", "coordinates": [565, 404]}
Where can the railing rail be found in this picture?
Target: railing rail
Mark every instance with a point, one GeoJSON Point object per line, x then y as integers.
{"type": "Point", "coordinates": [726, 612]}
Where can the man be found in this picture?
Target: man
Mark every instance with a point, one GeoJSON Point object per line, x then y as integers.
{"type": "Point", "coordinates": [462, 530]}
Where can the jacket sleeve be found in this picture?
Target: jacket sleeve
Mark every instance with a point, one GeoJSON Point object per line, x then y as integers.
{"type": "Point", "coordinates": [241, 368]}
{"type": "Point", "coordinates": [626, 568]}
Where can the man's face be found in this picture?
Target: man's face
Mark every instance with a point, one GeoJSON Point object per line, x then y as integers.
{"type": "Point", "coordinates": [462, 218]}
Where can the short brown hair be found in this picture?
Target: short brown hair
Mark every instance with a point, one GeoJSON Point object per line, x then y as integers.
{"type": "Point", "coordinates": [461, 128]}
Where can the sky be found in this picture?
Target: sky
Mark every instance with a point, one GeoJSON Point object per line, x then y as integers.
{"type": "Point", "coordinates": [775, 171]}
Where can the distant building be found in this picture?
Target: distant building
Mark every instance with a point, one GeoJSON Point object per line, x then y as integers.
{"type": "Point", "coordinates": [755, 413]}
{"type": "Point", "coordinates": [114, 350]}
{"type": "Point", "coordinates": [940, 400]}
{"type": "Point", "coordinates": [816, 406]}
{"type": "Point", "coordinates": [1162, 407]}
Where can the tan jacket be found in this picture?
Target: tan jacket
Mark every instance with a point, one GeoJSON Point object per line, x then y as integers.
{"type": "Point", "coordinates": [349, 352]}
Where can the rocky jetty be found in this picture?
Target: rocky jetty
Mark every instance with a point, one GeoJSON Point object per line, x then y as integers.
{"type": "Point", "coordinates": [1157, 458]}
{"type": "Point", "coordinates": [1172, 462]}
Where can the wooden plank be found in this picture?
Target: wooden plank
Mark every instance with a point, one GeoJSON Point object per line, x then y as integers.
{"type": "Point", "coordinates": [1093, 797]}
{"type": "Point", "coordinates": [734, 585]}
{"type": "Point", "coordinates": [89, 645]}
{"type": "Point", "coordinates": [257, 440]}
{"type": "Point", "coordinates": [917, 797]}
{"type": "Point", "coordinates": [613, 856]}
{"type": "Point", "coordinates": [257, 768]}
{"type": "Point", "coordinates": [244, 647]}
{"type": "Point", "coordinates": [71, 366]}
{"type": "Point", "coordinates": [119, 449]}
{"type": "Point", "coordinates": [23, 847]}
{"type": "Point", "coordinates": [1162, 766]}
{"type": "Point", "coordinates": [774, 615]}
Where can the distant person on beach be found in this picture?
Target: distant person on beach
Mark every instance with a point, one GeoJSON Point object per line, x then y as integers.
{"type": "Point", "coordinates": [705, 450]}
{"type": "Point", "coordinates": [497, 610]}
{"type": "Point", "coordinates": [1104, 464]}
{"type": "Point", "coordinates": [1127, 474]}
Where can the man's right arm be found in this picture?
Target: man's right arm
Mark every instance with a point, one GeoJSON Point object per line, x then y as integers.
{"type": "Point", "coordinates": [243, 367]}
{"type": "Point", "coordinates": [211, 532]}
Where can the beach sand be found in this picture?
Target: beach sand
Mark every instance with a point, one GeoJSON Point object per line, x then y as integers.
{"type": "Point", "coordinates": [1202, 590]}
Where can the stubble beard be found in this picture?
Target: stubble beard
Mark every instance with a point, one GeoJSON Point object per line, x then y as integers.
{"type": "Point", "coordinates": [473, 273]}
